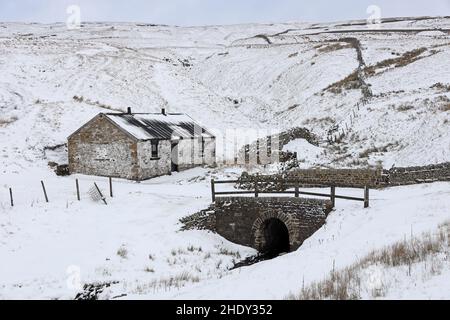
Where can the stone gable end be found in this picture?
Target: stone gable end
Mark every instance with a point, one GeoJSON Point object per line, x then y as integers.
{"type": "Point", "coordinates": [101, 148]}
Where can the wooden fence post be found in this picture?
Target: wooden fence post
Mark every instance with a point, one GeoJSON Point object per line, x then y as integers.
{"type": "Point", "coordinates": [100, 193]}
{"type": "Point", "coordinates": [333, 196]}
{"type": "Point", "coordinates": [297, 194]}
{"type": "Point", "coordinates": [45, 192]}
{"type": "Point", "coordinates": [366, 197]}
{"type": "Point", "coordinates": [78, 189]}
{"type": "Point", "coordinates": [11, 197]}
{"type": "Point", "coordinates": [213, 191]}
{"type": "Point", "coordinates": [110, 187]}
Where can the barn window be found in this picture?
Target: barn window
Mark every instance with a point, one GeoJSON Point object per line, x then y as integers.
{"type": "Point", "coordinates": [155, 149]}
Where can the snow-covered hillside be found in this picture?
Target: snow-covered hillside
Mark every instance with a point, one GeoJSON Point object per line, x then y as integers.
{"type": "Point", "coordinates": [244, 76]}
{"type": "Point", "coordinates": [387, 90]}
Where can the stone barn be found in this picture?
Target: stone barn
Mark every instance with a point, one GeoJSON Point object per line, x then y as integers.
{"type": "Point", "coordinates": [139, 146]}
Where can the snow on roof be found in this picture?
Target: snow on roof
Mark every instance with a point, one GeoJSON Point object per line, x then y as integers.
{"type": "Point", "coordinates": [145, 126]}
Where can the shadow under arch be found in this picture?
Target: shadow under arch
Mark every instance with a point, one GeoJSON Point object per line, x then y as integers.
{"type": "Point", "coordinates": [275, 232]}
{"type": "Point", "coordinates": [276, 237]}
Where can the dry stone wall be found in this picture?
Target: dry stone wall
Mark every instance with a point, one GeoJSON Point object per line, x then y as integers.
{"type": "Point", "coordinates": [357, 178]}
{"type": "Point", "coordinates": [414, 175]}
{"type": "Point", "coordinates": [352, 178]}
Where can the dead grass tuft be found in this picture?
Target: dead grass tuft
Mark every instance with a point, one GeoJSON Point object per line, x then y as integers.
{"type": "Point", "coordinates": [149, 269]}
{"type": "Point", "coordinates": [81, 99]}
{"type": "Point", "coordinates": [405, 59]}
{"type": "Point", "coordinates": [176, 281]}
{"type": "Point", "coordinates": [347, 283]}
{"type": "Point", "coordinates": [334, 47]}
{"type": "Point", "coordinates": [5, 122]}
{"type": "Point", "coordinates": [404, 108]}
{"type": "Point", "coordinates": [191, 248]}
{"type": "Point", "coordinates": [348, 83]}
{"type": "Point", "coordinates": [441, 87]}
{"type": "Point", "coordinates": [122, 252]}
{"type": "Point", "coordinates": [445, 107]}
{"type": "Point", "coordinates": [366, 153]}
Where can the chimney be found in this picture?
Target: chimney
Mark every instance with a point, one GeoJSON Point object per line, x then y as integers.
{"type": "Point", "coordinates": [163, 111]}
{"type": "Point", "coordinates": [129, 110]}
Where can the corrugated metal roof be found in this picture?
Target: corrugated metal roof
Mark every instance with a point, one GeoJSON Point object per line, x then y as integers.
{"type": "Point", "coordinates": [145, 126]}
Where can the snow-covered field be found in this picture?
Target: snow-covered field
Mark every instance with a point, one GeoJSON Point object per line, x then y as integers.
{"type": "Point", "coordinates": [135, 240]}
{"type": "Point", "coordinates": [52, 80]}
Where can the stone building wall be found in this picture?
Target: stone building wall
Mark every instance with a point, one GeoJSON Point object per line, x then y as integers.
{"type": "Point", "coordinates": [149, 167]}
{"type": "Point", "coordinates": [101, 149]}
{"type": "Point", "coordinates": [210, 152]}
{"type": "Point", "coordinates": [185, 154]}
{"type": "Point", "coordinates": [189, 153]}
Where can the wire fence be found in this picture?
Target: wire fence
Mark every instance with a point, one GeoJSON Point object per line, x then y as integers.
{"type": "Point", "coordinates": [94, 193]}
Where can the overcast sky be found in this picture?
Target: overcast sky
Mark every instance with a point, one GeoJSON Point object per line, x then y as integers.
{"type": "Point", "coordinates": [202, 12]}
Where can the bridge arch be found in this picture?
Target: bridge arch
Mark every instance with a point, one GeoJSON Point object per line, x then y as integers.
{"type": "Point", "coordinates": [276, 221]}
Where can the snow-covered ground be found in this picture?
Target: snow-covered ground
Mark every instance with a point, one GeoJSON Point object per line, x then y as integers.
{"type": "Point", "coordinates": [350, 233]}
{"type": "Point", "coordinates": [306, 152]}
{"type": "Point", "coordinates": [415, 267]}
{"type": "Point", "coordinates": [53, 80]}
{"type": "Point", "coordinates": [135, 239]}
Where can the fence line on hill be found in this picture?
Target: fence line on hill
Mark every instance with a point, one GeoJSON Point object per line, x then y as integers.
{"type": "Point", "coordinates": [13, 198]}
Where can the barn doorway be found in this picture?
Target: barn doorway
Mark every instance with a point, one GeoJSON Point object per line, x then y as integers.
{"type": "Point", "coordinates": [174, 157]}
{"type": "Point", "coordinates": [276, 238]}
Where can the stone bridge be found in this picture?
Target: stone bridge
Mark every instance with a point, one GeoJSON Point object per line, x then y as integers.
{"type": "Point", "coordinates": [268, 224]}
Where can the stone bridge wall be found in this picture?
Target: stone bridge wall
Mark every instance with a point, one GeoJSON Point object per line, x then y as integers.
{"type": "Point", "coordinates": [241, 219]}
